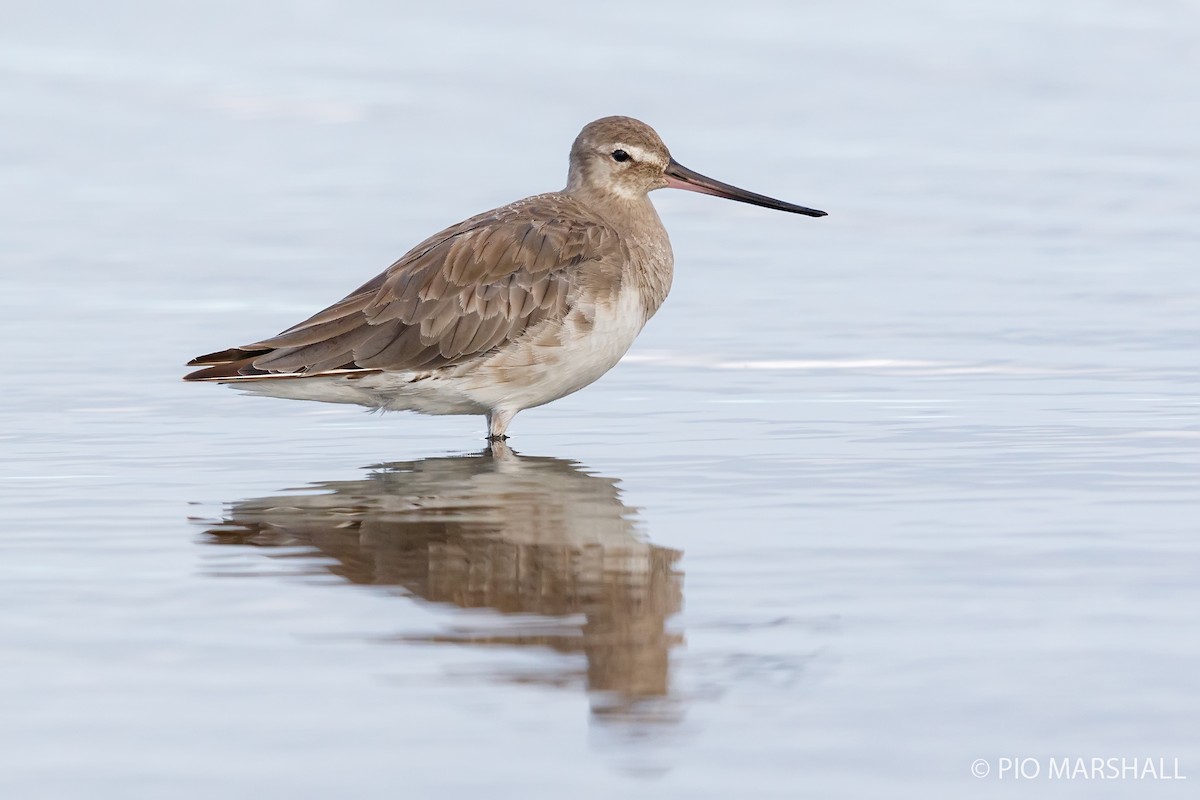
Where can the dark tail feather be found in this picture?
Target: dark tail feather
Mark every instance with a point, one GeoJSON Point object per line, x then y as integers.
{"type": "Point", "coordinates": [232, 363]}
{"type": "Point", "coordinates": [234, 369]}
{"type": "Point", "coordinates": [227, 356]}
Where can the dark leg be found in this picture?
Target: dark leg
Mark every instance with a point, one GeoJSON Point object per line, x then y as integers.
{"type": "Point", "coordinates": [498, 421]}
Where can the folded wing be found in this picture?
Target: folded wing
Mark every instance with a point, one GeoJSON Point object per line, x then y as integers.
{"type": "Point", "coordinates": [462, 293]}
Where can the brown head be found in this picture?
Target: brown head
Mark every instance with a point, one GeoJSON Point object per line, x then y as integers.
{"type": "Point", "coordinates": [623, 158]}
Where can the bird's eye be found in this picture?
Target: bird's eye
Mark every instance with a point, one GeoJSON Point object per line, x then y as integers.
{"type": "Point", "coordinates": [620, 155]}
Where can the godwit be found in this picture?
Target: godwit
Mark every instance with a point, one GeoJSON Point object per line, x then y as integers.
{"type": "Point", "coordinates": [508, 310]}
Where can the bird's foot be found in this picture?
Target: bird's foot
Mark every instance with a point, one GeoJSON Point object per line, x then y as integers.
{"type": "Point", "coordinates": [497, 422]}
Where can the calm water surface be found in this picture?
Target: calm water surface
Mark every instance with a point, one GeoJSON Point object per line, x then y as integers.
{"type": "Point", "coordinates": [873, 497]}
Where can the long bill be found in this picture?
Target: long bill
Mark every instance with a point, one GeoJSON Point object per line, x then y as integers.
{"type": "Point", "coordinates": [680, 177]}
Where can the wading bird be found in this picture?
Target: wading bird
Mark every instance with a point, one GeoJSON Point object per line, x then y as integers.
{"type": "Point", "coordinates": [508, 310]}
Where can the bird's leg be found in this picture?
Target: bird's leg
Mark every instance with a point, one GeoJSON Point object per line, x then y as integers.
{"type": "Point", "coordinates": [498, 420]}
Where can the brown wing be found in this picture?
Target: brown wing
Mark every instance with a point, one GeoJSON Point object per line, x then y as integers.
{"type": "Point", "coordinates": [465, 291]}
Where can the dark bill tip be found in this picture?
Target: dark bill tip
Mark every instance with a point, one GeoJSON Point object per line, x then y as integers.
{"type": "Point", "coordinates": [680, 177]}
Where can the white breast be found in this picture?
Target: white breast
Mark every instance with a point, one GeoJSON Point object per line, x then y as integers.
{"type": "Point", "coordinates": [564, 357]}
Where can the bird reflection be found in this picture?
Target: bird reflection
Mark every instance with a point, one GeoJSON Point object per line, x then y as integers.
{"type": "Point", "coordinates": [519, 534]}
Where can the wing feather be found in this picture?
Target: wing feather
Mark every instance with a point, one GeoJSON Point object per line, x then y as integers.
{"type": "Point", "coordinates": [461, 293]}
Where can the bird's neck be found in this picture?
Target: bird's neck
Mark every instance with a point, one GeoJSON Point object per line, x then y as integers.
{"type": "Point", "coordinates": [632, 215]}
{"type": "Point", "coordinates": [650, 264]}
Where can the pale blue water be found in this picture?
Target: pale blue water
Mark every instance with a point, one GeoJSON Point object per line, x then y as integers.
{"type": "Point", "coordinates": [874, 496]}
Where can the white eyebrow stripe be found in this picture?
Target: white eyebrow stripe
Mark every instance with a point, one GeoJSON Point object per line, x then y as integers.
{"type": "Point", "coordinates": [639, 153]}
